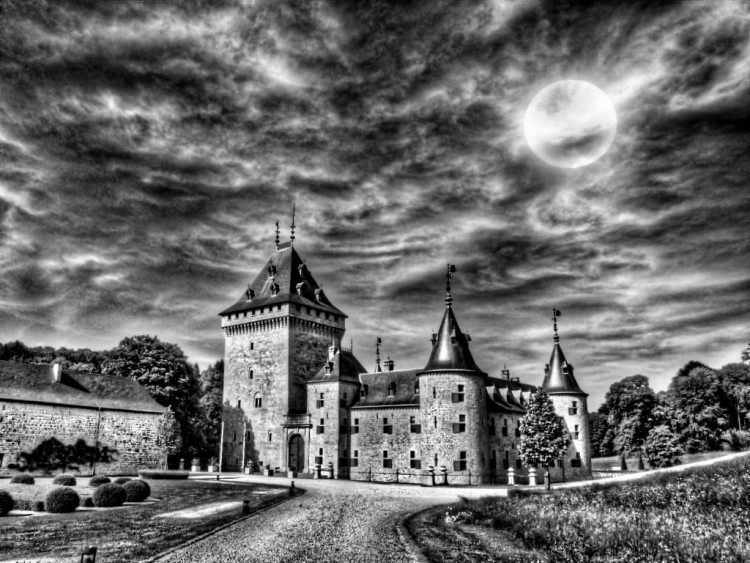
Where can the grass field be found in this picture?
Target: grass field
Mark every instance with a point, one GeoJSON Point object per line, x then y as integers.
{"type": "Point", "coordinates": [700, 515]}
{"type": "Point", "coordinates": [131, 533]}
{"type": "Point", "coordinates": [607, 463]}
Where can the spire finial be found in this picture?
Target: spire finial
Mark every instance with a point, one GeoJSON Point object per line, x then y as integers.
{"type": "Point", "coordinates": [378, 342]}
{"type": "Point", "coordinates": [277, 235]}
{"type": "Point", "coordinates": [555, 313]}
{"type": "Point", "coordinates": [294, 209]}
{"type": "Point", "coordinates": [448, 278]}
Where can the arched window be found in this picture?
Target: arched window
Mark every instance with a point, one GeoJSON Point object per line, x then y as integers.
{"type": "Point", "coordinates": [258, 401]}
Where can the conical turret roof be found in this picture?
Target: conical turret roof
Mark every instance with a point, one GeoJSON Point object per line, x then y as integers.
{"type": "Point", "coordinates": [451, 348]}
{"type": "Point", "coordinates": [558, 377]}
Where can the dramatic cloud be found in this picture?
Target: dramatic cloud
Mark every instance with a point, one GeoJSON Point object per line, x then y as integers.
{"type": "Point", "coordinates": [146, 151]}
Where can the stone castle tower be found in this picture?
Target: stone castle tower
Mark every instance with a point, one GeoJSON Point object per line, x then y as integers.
{"type": "Point", "coordinates": [277, 336]}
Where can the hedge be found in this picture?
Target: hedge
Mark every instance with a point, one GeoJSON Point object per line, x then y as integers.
{"type": "Point", "coordinates": [108, 495]}
{"type": "Point", "coordinates": [163, 474]}
{"type": "Point", "coordinates": [62, 499]}
{"type": "Point", "coordinates": [99, 480]}
{"type": "Point", "coordinates": [22, 479]}
{"type": "Point", "coordinates": [6, 503]}
{"type": "Point", "coordinates": [136, 490]}
{"type": "Point", "coordinates": [65, 479]}
{"type": "Point", "coordinates": [121, 480]}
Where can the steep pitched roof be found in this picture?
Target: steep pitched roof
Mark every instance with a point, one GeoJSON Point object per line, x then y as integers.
{"type": "Point", "coordinates": [558, 377]}
{"type": "Point", "coordinates": [284, 279]}
{"type": "Point", "coordinates": [344, 366]}
{"type": "Point", "coordinates": [451, 348]}
{"type": "Point", "coordinates": [377, 386]}
{"type": "Point", "coordinates": [36, 383]}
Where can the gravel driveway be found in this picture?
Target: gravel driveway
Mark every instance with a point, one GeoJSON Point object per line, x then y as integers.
{"type": "Point", "coordinates": [343, 521]}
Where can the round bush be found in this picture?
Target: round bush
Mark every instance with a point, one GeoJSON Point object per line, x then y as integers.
{"type": "Point", "coordinates": [136, 490]}
{"type": "Point", "coordinates": [6, 503]}
{"type": "Point", "coordinates": [109, 494]}
{"type": "Point", "coordinates": [64, 479]}
{"type": "Point", "coordinates": [121, 480]}
{"type": "Point", "coordinates": [99, 480]}
{"type": "Point", "coordinates": [87, 502]}
{"type": "Point", "coordinates": [62, 499]}
{"type": "Point", "coordinates": [22, 479]}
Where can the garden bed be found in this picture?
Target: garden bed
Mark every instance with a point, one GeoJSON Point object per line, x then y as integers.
{"type": "Point", "coordinates": [701, 514]}
{"type": "Point", "coordinates": [128, 535]}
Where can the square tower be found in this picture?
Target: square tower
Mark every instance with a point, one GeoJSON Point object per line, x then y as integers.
{"type": "Point", "coordinates": [277, 336]}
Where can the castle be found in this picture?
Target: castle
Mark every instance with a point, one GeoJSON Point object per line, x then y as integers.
{"type": "Point", "coordinates": [294, 399]}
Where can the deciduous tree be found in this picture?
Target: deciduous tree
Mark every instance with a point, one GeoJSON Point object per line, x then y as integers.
{"type": "Point", "coordinates": [662, 449]}
{"type": "Point", "coordinates": [630, 403]}
{"type": "Point", "coordinates": [543, 434]}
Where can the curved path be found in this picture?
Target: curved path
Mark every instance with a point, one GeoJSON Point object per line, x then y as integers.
{"type": "Point", "coordinates": [334, 521]}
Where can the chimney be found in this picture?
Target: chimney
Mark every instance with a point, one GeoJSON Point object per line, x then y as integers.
{"type": "Point", "coordinates": [389, 364]}
{"type": "Point", "coordinates": [332, 351]}
{"type": "Point", "coordinates": [57, 372]}
{"type": "Point", "coordinates": [506, 373]}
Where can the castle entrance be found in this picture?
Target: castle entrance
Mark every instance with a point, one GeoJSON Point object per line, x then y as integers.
{"type": "Point", "coordinates": [297, 452]}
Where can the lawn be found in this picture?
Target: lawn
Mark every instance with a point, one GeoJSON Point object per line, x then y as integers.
{"type": "Point", "coordinates": [607, 463]}
{"type": "Point", "coordinates": [131, 533]}
{"type": "Point", "coordinates": [700, 515]}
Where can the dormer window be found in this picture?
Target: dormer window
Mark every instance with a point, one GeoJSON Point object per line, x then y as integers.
{"type": "Point", "coordinates": [416, 388]}
{"type": "Point", "coordinates": [363, 391]}
{"type": "Point", "coordinates": [392, 389]}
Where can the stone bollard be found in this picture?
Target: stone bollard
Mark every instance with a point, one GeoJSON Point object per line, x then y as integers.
{"type": "Point", "coordinates": [432, 474]}
{"type": "Point", "coordinates": [330, 470]}
{"type": "Point", "coordinates": [182, 464]}
{"type": "Point", "coordinates": [316, 475]}
{"type": "Point", "coordinates": [291, 489]}
{"type": "Point", "coordinates": [397, 475]}
{"type": "Point", "coordinates": [532, 476]}
{"type": "Point", "coordinates": [512, 477]}
{"type": "Point", "coordinates": [88, 555]}
{"type": "Point", "coordinates": [444, 471]}
{"type": "Point", "coordinates": [546, 480]}
{"type": "Point", "coordinates": [245, 507]}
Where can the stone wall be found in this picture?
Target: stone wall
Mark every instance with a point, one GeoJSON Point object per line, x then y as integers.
{"type": "Point", "coordinates": [131, 435]}
{"type": "Point", "coordinates": [368, 445]}
{"type": "Point", "coordinates": [503, 447]}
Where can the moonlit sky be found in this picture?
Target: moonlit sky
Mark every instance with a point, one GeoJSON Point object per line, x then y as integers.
{"type": "Point", "coordinates": [146, 150]}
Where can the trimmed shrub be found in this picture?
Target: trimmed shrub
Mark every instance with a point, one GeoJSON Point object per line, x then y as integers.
{"type": "Point", "coordinates": [136, 490]}
{"type": "Point", "coordinates": [99, 480]}
{"type": "Point", "coordinates": [62, 499]}
{"type": "Point", "coordinates": [109, 494]}
{"type": "Point", "coordinates": [121, 480]}
{"type": "Point", "coordinates": [163, 474]}
{"type": "Point", "coordinates": [6, 503]}
{"type": "Point", "coordinates": [87, 502]}
{"type": "Point", "coordinates": [22, 479]}
{"type": "Point", "coordinates": [65, 479]}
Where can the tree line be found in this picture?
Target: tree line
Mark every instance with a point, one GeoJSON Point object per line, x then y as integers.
{"type": "Point", "coordinates": [703, 409]}
{"type": "Point", "coordinates": [192, 424]}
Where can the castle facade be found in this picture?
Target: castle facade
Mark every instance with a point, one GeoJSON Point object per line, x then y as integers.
{"type": "Point", "coordinates": [294, 399]}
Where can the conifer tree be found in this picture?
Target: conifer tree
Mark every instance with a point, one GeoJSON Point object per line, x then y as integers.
{"type": "Point", "coordinates": [543, 435]}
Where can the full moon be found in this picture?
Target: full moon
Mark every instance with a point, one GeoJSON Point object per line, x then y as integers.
{"type": "Point", "coordinates": [570, 123]}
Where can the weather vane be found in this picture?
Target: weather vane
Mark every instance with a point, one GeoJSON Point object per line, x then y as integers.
{"type": "Point", "coordinates": [378, 342]}
{"type": "Point", "coordinates": [448, 278]}
{"type": "Point", "coordinates": [555, 313]}
{"type": "Point", "coordinates": [277, 233]}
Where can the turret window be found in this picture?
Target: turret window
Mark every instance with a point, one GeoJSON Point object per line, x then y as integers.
{"type": "Point", "coordinates": [355, 459]}
{"type": "Point", "coordinates": [434, 393]}
{"type": "Point", "coordinates": [321, 428]}
{"type": "Point", "coordinates": [460, 463]}
{"type": "Point", "coordinates": [319, 457]}
{"type": "Point", "coordinates": [505, 427]}
{"type": "Point", "coordinates": [251, 374]}
{"type": "Point", "coordinates": [459, 396]}
{"type": "Point", "coordinates": [258, 401]}
{"type": "Point", "coordinates": [576, 462]}
{"type": "Point", "coordinates": [239, 403]}
{"type": "Point", "coordinates": [460, 426]}
{"type": "Point", "coordinates": [355, 426]}
{"type": "Point", "coordinates": [252, 345]}
{"type": "Point", "coordinates": [574, 434]}
{"type": "Point", "coordinates": [320, 403]}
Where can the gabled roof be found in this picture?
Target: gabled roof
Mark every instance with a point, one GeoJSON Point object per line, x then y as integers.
{"type": "Point", "coordinates": [344, 366]}
{"type": "Point", "coordinates": [376, 385]}
{"type": "Point", "coordinates": [36, 383]}
{"type": "Point", "coordinates": [558, 378]}
{"type": "Point", "coordinates": [451, 349]}
{"type": "Point", "coordinates": [284, 279]}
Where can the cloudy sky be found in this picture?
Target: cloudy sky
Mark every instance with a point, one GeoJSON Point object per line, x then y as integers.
{"type": "Point", "coordinates": [146, 151]}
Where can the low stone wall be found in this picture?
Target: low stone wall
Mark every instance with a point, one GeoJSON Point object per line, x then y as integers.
{"type": "Point", "coordinates": [126, 439]}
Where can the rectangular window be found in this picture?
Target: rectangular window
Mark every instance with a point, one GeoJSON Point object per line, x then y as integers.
{"type": "Point", "coordinates": [387, 463]}
{"type": "Point", "coordinates": [387, 428]}
{"type": "Point", "coordinates": [435, 421]}
{"type": "Point", "coordinates": [321, 428]}
{"type": "Point", "coordinates": [320, 403]}
{"type": "Point", "coordinates": [576, 462]}
{"type": "Point", "coordinates": [258, 402]}
{"type": "Point", "coordinates": [318, 460]}
{"type": "Point", "coordinates": [492, 427]}
{"type": "Point", "coordinates": [251, 374]}
{"type": "Point", "coordinates": [414, 426]}
{"type": "Point", "coordinates": [460, 463]}
{"type": "Point", "coordinates": [355, 426]}
{"type": "Point", "coordinates": [505, 431]}
{"type": "Point", "coordinates": [573, 411]}
{"type": "Point", "coordinates": [252, 345]}
{"type": "Point", "coordinates": [414, 463]}
{"type": "Point", "coordinates": [458, 397]}
{"type": "Point", "coordinates": [460, 426]}
{"type": "Point", "coordinates": [575, 432]}
{"type": "Point", "coordinates": [354, 462]}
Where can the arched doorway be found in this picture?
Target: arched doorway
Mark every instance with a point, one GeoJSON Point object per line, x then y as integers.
{"type": "Point", "coordinates": [297, 453]}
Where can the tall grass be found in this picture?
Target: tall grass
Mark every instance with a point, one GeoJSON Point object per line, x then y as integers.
{"type": "Point", "coordinates": [702, 515]}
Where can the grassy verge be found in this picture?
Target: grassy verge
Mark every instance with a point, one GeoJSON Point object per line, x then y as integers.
{"type": "Point", "coordinates": [607, 463]}
{"type": "Point", "coordinates": [701, 515]}
{"type": "Point", "coordinates": [134, 532]}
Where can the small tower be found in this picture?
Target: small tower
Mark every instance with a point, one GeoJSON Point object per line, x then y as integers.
{"type": "Point", "coordinates": [452, 404]}
{"type": "Point", "coordinates": [570, 404]}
